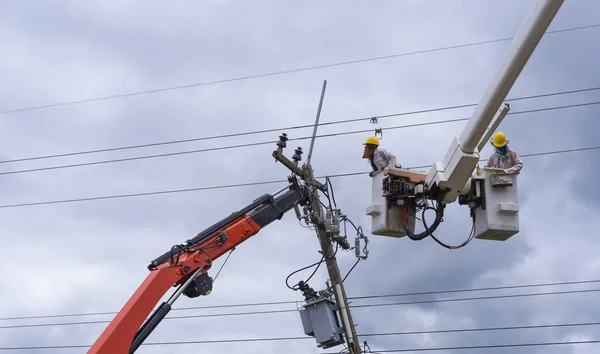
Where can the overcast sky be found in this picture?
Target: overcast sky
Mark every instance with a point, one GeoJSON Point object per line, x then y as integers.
{"type": "Point", "coordinates": [90, 256]}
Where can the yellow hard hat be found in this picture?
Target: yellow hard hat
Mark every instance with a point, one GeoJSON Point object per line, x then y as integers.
{"type": "Point", "coordinates": [499, 140]}
{"type": "Point", "coordinates": [372, 140]}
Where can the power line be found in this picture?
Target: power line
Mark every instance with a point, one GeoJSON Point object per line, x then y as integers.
{"type": "Point", "coordinates": [5, 206]}
{"type": "Point", "coordinates": [429, 110]}
{"type": "Point", "coordinates": [281, 72]}
{"type": "Point", "coordinates": [264, 312]}
{"type": "Point", "coordinates": [495, 297]}
{"type": "Point", "coordinates": [270, 303]}
{"type": "Point", "coordinates": [269, 339]}
{"type": "Point", "coordinates": [506, 287]}
{"type": "Point", "coordinates": [522, 345]}
{"type": "Point", "coordinates": [484, 329]}
{"type": "Point", "coordinates": [272, 141]}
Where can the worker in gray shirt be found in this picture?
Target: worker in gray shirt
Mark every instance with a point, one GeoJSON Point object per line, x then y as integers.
{"type": "Point", "coordinates": [378, 157]}
{"type": "Point", "coordinates": [504, 157]}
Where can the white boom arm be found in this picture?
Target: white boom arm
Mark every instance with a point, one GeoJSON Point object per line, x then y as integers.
{"type": "Point", "coordinates": [453, 173]}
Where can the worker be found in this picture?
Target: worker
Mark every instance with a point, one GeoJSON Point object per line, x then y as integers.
{"type": "Point", "coordinates": [504, 157]}
{"type": "Point", "coordinates": [378, 157]}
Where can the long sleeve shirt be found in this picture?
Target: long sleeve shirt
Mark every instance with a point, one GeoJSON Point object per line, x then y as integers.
{"type": "Point", "coordinates": [509, 162]}
{"type": "Point", "coordinates": [382, 159]}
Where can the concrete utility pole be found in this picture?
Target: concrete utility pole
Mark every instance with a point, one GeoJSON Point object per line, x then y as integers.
{"type": "Point", "coordinates": [331, 262]}
{"type": "Point", "coordinates": [318, 219]}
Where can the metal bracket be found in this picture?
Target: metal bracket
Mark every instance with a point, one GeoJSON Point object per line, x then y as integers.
{"type": "Point", "coordinates": [293, 166]}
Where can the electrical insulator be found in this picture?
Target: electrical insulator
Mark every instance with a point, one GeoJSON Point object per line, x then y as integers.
{"type": "Point", "coordinates": [282, 139]}
{"type": "Point", "coordinates": [335, 223]}
{"type": "Point", "coordinates": [297, 155]}
{"type": "Point", "coordinates": [328, 221]}
{"type": "Point", "coordinates": [305, 210]}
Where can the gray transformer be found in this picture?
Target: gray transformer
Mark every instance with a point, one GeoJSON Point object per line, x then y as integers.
{"type": "Point", "coordinates": [320, 321]}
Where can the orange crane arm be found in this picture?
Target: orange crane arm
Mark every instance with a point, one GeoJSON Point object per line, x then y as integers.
{"type": "Point", "coordinates": [186, 266]}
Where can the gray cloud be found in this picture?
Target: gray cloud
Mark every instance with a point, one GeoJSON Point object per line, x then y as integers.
{"type": "Point", "coordinates": [91, 256]}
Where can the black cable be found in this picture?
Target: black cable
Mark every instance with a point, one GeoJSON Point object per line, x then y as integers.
{"type": "Point", "coordinates": [507, 287]}
{"type": "Point", "coordinates": [285, 128]}
{"type": "Point", "coordinates": [68, 103]}
{"type": "Point", "coordinates": [265, 339]}
{"type": "Point", "coordinates": [522, 345]}
{"type": "Point", "coordinates": [352, 307]}
{"type": "Point", "coordinates": [483, 329]}
{"type": "Point", "coordinates": [477, 298]}
{"type": "Point", "coordinates": [290, 128]}
{"type": "Point", "coordinates": [223, 265]}
{"type": "Point", "coordinates": [359, 228]}
{"type": "Point", "coordinates": [143, 194]}
{"type": "Point", "coordinates": [424, 221]}
{"type": "Point", "coordinates": [254, 183]}
{"type": "Point", "coordinates": [143, 157]}
{"type": "Point", "coordinates": [317, 264]}
{"type": "Point", "coordinates": [439, 214]}
{"type": "Point", "coordinates": [452, 247]}
{"type": "Point", "coordinates": [351, 269]}
{"type": "Point", "coordinates": [315, 193]}
{"type": "Point", "coordinates": [438, 292]}
{"type": "Point", "coordinates": [359, 234]}
{"type": "Point", "coordinates": [328, 181]}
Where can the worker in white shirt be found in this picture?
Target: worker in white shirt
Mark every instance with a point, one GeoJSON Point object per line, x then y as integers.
{"type": "Point", "coordinates": [378, 157]}
{"type": "Point", "coordinates": [504, 157]}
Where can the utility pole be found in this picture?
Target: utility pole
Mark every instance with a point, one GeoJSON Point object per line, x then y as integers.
{"type": "Point", "coordinates": [318, 219]}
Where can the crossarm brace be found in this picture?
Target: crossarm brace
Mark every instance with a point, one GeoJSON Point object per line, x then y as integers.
{"type": "Point", "coordinates": [279, 156]}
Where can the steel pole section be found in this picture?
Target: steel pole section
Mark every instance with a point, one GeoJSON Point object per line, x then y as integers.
{"type": "Point", "coordinates": [538, 19]}
{"type": "Point", "coordinates": [312, 141]}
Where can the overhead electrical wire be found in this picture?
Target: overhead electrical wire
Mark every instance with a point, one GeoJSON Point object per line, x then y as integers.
{"type": "Point", "coordinates": [296, 338]}
{"type": "Point", "coordinates": [494, 346]}
{"type": "Point", "coordinates": [370, 305]}
{"type": "Point", "coordinates": [471, 347]}
{"type": "Point", "coordinates": [344, 121]}
{"type": "Point", "coordinates": [273, 141]}
{"type": "Point", "coordinates": [117, 196]}
{"type": "Point", "coordinates": [288, 302]}
{"type": "Point", "coordinates": [281, 72]}
{"type": "Point", "coordinates": [352, 307]}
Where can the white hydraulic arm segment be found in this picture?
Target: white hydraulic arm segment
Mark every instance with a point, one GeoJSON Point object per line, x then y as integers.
{"type": "Point", "coordinates": [491, 195]}
{"type": "Point", "coordinates": [453, 173]}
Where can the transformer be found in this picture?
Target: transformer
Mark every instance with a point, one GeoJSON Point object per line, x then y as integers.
{"type": "Point", "coordinates": [319, 318]}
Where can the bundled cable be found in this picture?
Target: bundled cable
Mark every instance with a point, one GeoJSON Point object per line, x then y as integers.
{"type": "Point", "coordinates": [317, 264]}
{"type": "Point", "coordinates": [439, 209]}
{"type": "Point", "coordinates": [439, 214]}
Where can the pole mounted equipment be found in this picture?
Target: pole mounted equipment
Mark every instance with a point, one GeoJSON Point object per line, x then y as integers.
{"type": "Point", "coordinates": [327, 317]}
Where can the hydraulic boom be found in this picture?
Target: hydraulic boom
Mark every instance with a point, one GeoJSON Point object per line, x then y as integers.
{"type": "Point", "coordinates": [453, 173]}
{"type": "Point", "coordinates": [399, 194]}
{"type": "Point", "coordinates": [186, 266]}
